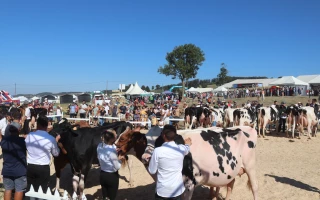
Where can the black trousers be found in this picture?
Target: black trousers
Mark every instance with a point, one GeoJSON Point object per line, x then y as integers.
{"type": "Point", "coordinates": [38, 175]}
{"type": "Point", "coordinates": [82, 115]}
{"type": "Point", "coordinates": [109, 182]}
{"type": "Point", "coordinates": [26, 129]}
{"type": "Point", "coordinates": [282, 122]}
{"type": "Point", "coordinates": [157, 197]}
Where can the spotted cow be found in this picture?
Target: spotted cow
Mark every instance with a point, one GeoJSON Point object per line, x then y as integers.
{"type": "Point", "coordinates": [216, 156]}
{"type": "Point", "coordinates": [228, 117]}
{"type": "Point", "coordinates": [307, 119]}
{"type": "Point", "coordinates": [267, 115]}
{"type": "Point", "coordinates": [292, 118]}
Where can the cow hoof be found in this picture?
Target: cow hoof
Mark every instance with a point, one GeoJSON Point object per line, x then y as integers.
{"type": "Point", "coordinates": [131, 185]}
{"type": "Point", "coordinates": [259, 136]}
{"type": "Point", "coordinates": [263, 136]}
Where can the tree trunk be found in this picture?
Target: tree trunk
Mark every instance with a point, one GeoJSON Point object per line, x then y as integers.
{"type": "Point", "coordinates": [183, 88]}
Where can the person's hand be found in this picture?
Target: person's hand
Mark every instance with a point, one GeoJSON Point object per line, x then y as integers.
{"type": "Point", "coordinates": [121, 157]}
{"type": "Point", "coordinates": [58, 138]}
{"type": "Point", "coordinates": [188, 141]}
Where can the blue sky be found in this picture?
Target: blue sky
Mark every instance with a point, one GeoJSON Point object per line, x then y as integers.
{"type": "Point", "coordinates": [80, 45]}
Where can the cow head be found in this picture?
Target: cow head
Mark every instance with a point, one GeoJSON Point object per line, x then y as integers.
{"type": "Point", "coordinates": [131, 139]}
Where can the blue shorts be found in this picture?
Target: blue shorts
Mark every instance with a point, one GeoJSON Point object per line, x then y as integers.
{"type": "Point", "coordinates": [17, 183]}
{"type": "Point", "coordinates": [214, 123]}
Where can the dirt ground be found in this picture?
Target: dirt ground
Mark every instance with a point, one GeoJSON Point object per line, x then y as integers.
{"type": "Point", "coordinates": [286, 169]}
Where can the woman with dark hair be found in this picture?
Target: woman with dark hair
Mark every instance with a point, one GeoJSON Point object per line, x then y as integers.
{"type": "Point", "coordinates": [110, 164]}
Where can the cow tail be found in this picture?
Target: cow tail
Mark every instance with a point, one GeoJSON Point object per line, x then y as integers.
{"type": "Point", "coordinates": [249, 184]}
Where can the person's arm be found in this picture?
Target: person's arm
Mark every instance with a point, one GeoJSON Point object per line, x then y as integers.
{"type": "Point", "coordinates": [55, 149]}
{"type": "Point", "coordinates": [114, 159]}
{"type": "Point", "coordinates": [186, 147]}
{"type": "Point", "coordinates": [153, 165]}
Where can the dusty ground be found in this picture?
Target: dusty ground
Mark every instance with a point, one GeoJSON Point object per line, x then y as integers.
{"type": "Point", "coordinates": [286, 169]}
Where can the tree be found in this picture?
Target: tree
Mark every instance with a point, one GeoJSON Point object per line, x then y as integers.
{"type": "Point", "coordinates": [223, 75]}
{"type": "Point", "coordinates": [143, 87]}
{"type": "Point", "coordinates": [157, 87]}
{"type": "Point", "coordinates": [147, 89]}
{"type": "Point", "coordinates": [152, 87]}
{"type": "Point", "coordinates": [183, 63]}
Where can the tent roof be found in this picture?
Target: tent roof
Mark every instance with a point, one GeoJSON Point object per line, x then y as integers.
{"type": "Point", "coordinates": [288, 80]}
{"type": "Point", "coordinates": [136, 90]}
{"type": "Point", "coordinates": [130, 88]}
{"type": "Point", "coordinates": [220, 89]}
{"type": "Point", "coordinates": [265, 82]}
{"type": "Point", "coordinates": [313, 79]}
{"type": "Point", "coordinates": [200, 90]}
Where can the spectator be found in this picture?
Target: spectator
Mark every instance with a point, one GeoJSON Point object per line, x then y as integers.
{"type": "Point", "coordinates": [39, 146]}
{"type": "Point", "coordinates": [16, 122]}
{"type": "Point", "coordinates": [83, 109]}
{"type": "Point", "coordinates": [14, 162]}
{"type": "Point", "coordinates": [102, 113]}
{"type": "Point", "coordinates": [167, 162]}
{"type": "Point", "coordinates": [59, 113]}
{"type": "Point", "coordinates": [72, 111]}
{"type": "Point", "coordinates": [123, 110]}
{"type": "Point", "coordinates": [3, 123]}
{"type": "Point", "coordinates": [110, 164]}
{"type": "Point", "coordinates": [95, 114]}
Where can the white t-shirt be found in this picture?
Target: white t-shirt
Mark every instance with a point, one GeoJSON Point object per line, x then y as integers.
{"type": "Point", "coordinates": [108, 158]}
{"type": "Point", "coordinates": [39, 146]}
{"type": "Point", "coordinates": [82, 108]}
{"type": "Point", "coordinates": [107, 108]}
{"type": "Point", "coordinates": [3, 125]}
{"type": "Point", "coordinates": [59, 111]}
{"type": "Point", "coordinates": [167, 162]}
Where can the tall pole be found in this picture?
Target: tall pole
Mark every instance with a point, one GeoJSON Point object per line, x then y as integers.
{"type": "Point", "coordinates": [15, 89]}
{"type": "Point", "coordinates": [107, 88]}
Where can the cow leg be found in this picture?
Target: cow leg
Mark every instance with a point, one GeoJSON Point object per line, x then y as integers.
{"type": "Point", "coordinates": [81, 187]}
{"type": "Point", "coordinates": [309, 130]}
{"type": "Point", "coordinates": [187, 194]}
{"type": "Point", "coordinates": [252, 179]}
{"type": "Point", "coordinates": [75, 183]}
{"type": "Point", "coordinates": [130, 165]}
{"type": "Point", "coordinates": [229, 189]}
{"type": "Point", "coordinates": [293, 127]}
{"type": "Point", "coordinates": [214, 194]}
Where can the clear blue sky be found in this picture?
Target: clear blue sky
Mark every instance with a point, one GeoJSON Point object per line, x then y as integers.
{"type": "Point", "coordinates": [79, 45]}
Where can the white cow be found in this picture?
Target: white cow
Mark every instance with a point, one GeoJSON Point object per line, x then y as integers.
{"type": "Point", "coordinates": [267, 115]}
{"type": "Point", "coordinates": [307, 119]}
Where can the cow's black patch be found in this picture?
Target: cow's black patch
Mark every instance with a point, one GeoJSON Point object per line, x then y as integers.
{"type": "Point", "coordinates": [187, 169]}
{"type": "Point", "coordinates": [220, 160]}
{"type": "Point", "coordinates": [234, 158]}
{"type": "Point", "coordinates": [228, 162]}
{"type": "Point", "coordinates": [229, 155]}
{"type": "Point", "coordinates": [246, 134]}
{"type": "Point", "coordinates": [250, 144]}
{"type": "Point", "coordinates": [232, 165]}
{"type": "Point", "coordinates": [215, 174]}
{"type": "Point", "coordinates": [229, 177]}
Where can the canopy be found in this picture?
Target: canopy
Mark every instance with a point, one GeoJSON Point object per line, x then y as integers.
{"type": "Point", "coordinates": [288, 80]}
{"type": "Point", "coordinates": [316, 80]}
{"type": "Point", "coordinates": [35, 98]}
{"type": "Point", "coordinates": [130, 88]}
{"type": "Point", "coordinates": [136, 90]}
{"type": "Point", "coordinates": [200, 90]}
{"type": "Point", "coordinates": [220, 89]}
{"type": "Point", "coordinates": [167, 92]}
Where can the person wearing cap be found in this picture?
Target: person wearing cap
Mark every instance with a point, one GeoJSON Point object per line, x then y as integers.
{"type": "Point", "coordinates": [283, 117]}
{"type": "Point", "coordinates": [14, 169]}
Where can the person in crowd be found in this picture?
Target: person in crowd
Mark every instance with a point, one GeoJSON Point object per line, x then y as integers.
{"type": "Point", "coordinates": [83, 109]}
{"type": "Point", "coordinates": [16, 116]}
{"type": "Point", "coordinates": [110, 164]}
{"type": "Point", "coordinates": [283, 117]}
{"type": "Point", "coordinates": [3, 123]}
{"type": "Point", "coordinates": [114, 112]}
{"type": "Point", "coordinates": [167, 162]}
{"type": "Point", "coordinates": [72, 110]}
{"type": "Point", "coordinates": [95, 111]}
{"type": "Point", "coordinates": [27, 118]}
{"type": "Point", "coordinates": [123, 111]}
{"type": "Point", "coordinates": [102, 113]}
{"type": "Point", "coordinates": [39, 146]}
{"type": "Point", "coordinates": [107, 109]}
{"type": "Point", "coordinates": [59, 113]}
{"type": "Point", "coordinates": [14, 161]}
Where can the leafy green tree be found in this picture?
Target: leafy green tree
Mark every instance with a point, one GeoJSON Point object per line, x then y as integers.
{"type": "Point", "coordinates": [147, 89]}
{"type": "Point", "coordinates": [143, 87]}
{"type": "Point", "coordinates": [157, 87]}
{"type": "Point", "coordinates": [223, 75]}
{"type": "Point", "coordinates": [183, 63]}
{"type": "Point", "coordinates": [152, 87]}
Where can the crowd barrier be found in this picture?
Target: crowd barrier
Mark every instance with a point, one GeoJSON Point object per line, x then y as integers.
{"type": "Point", "coordinates": [48, 196]}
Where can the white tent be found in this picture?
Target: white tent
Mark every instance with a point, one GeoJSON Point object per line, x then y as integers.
{"type": "Point", "coordinates": [35, 98]}
{"type": "Point", "coordinates": [289, 81]}
{"type": "Point", "coordinates": [200, 90]}
{"type": "Point", "coordinates": [220, 89]}
{"type": "Point", "coordinates": [130, 88]}
{"type": "Point", "coordinates": [316, 80]}
{"type": "Point", "coordinates": [136, 90]}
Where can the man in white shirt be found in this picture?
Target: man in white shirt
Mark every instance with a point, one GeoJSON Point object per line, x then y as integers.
{"type": "Point", "coordinates": [107, 108]}
{"type": "Point", "coordinates": [83, 109]}
{"type": "Point", "coordinates": [39, 147]}
{"type": "Point", "coordinates": [167, 162]}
